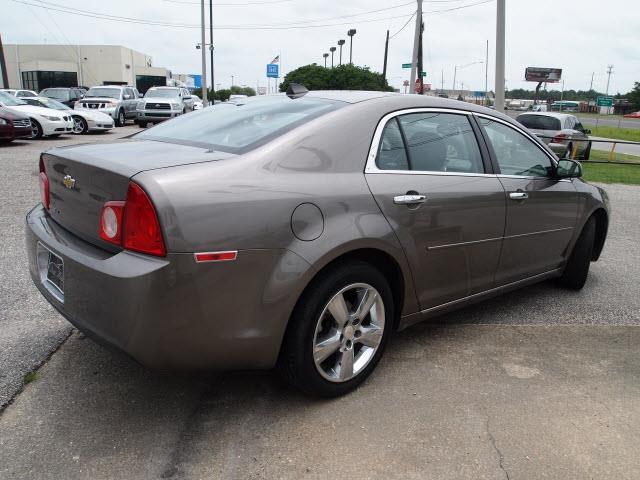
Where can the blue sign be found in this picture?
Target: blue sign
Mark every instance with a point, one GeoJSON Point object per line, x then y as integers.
{"type": "Point", "coordinates": [272, 70]}
{"type": "Point", "coordinates": [197, 80]}
{"type": "Point", "coordinates": [478, 94]}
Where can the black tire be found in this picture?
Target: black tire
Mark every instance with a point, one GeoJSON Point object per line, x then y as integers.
{"type": "Point", "coordinates": [577, 268]}
{"type": "Point", "coordinates": [296, 362]}
{"type": "Point", "coordinates": [122, 119]}
{"type": "Point", "coordinates": [81, 125]}
{"type": "Point", "coordinates": [184, 110]}
{"type": "Point", "coordinates": [587, 152]}
{"type": "Point", "coordinates": [142, 124]}
{"type": "Point", "coordinates": [36, 130]}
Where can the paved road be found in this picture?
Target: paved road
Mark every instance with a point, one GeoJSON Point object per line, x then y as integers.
{"type": "Point", "coordinates": [29, 328]}
{"type": "Point", "coordinates": [539, 383]}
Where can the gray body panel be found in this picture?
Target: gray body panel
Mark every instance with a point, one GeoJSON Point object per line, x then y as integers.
{"type": "Point", "coordinates": [172, 311]}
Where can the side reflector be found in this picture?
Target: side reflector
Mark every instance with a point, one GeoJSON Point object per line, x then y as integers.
{"type": "Point", "coordinates": [204, 257]}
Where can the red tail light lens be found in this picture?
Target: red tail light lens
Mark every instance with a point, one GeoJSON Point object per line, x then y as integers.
{"type": "Point", "coordinates": [44, 185]}
{"type": "Point", "coordinates": [111, 222]}
{"type": "Point", "coordinates": [559, 138]}
{"type": "Point", "coordinates": [141, 229]}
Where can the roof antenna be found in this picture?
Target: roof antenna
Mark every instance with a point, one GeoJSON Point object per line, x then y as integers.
{"type": "Point", "coordinates": [296, 90]}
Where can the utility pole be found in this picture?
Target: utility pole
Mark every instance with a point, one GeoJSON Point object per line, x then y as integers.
{"type": "Point", "coordinates": [386, 51]}
{"type": "Point", "coordinates": [3, 67]}
{"type": "Point", "coordinates": [500, 21]}
{"type": "Point", "coordinates": [455, 71]}
{"type": "Point", "coordinates": [416, 40]}
{"type": "Point", "coordinates": [442, 80]}
{"type": "Point", "coordinates": [486, 76]}
{"type": "Point", "coordinates": [609, 72]}
{"type": "Point", "coordinates": [213, 85]}
{"type": "Point", "coordinates": [591, 84]}
{"type": "Point", "coordinates": [205, 97]}
{"type": "Point", "coordinates": [420, 77]}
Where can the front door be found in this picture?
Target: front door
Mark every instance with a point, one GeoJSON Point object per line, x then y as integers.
{"type": "Point", "coordinates": [541, 209]}
{"type": "Point", "coordinates": [428, 176]}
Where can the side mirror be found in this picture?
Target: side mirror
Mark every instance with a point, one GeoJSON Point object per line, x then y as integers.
{"type": "Point", "coordinates": [127, 97]}
{"type": "Point", "coordinates": [568, 169]}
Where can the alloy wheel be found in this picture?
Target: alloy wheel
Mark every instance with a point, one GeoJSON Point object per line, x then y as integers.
{"type": "Point", "coordinates": [349, 332]}
{"type": "Point", "coordinates": [121, 118]}
{"type": "Point", "coordinates": [78, 125]}
{"type": "Point", "coordinates": [35, 130]}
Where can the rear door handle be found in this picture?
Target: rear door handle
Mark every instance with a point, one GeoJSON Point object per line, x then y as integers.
{"type": "Point", "coordinates": [409, 199]}
{"type": "Point", "coordinates": [518, 195]}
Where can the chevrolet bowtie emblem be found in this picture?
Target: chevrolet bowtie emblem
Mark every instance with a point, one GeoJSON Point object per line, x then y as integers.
{"type": "Point", "coordinates": [69, 182]}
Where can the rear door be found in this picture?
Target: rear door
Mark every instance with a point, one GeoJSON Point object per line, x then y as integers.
{"type": "Point", "coordinates": [427, 172]}
{"type": "Point", "coordinates": [130, 103]}
{"type": "Point", "coordinates": [541, 209]}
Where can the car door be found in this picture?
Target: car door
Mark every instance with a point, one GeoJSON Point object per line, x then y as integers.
{"type": "Point", "coordinates": [129, 102]}
{"type": "Point", "coordinates": [541, 209]}
{"type": "Point", "coordinates": [433, 182]}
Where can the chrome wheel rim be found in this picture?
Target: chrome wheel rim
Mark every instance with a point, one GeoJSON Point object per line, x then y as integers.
{"type": "Point", "coordinates": [78, 125]}
{"type": "Point", "coordinates": [121, 118]}
{"type": "Point", "coordinates": [348, 332]}
{"type": "Point", "coordinates": [34, 129]}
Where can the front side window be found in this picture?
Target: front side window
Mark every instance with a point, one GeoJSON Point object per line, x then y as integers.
{"type": "Point", "coordinates": [515, 153]}
{"type": "Point", "coordinates": [441, 142]}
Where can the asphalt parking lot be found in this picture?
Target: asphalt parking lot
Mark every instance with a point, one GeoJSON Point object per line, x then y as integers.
{"type": "Point", "coordinates": [540, 383]}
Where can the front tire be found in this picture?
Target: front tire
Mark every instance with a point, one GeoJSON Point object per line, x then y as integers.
{"type": "Point", "coordinates": [577, 268]}
{"type": "Point", "coordinates": [36, 130]}
{"type": "Point", "coordinates": [79, 125]}
{"type": "Point", "coordinates": [142, 124]}
{"type": "Point", "coordinates": [338, 330]}
{"type": "Point", "coordinates": [122, 119]}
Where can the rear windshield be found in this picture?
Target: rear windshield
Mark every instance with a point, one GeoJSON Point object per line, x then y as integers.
{"type": "Point", "coordinates": [57, 93]}
{"type": "Point", "coordinates": [96, 92]}
{"type": "Point", "coordinates": [237, 128]}
{"type": "Point", "coordinates": [539, 122]}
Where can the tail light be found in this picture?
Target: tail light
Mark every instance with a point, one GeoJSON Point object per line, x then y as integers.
{"type": "Point", "coordinates": [133, 224]}
{"type": "Point", "coordinates": [44, 185]}
{"type": "Point", "coordinates": [559, 138]}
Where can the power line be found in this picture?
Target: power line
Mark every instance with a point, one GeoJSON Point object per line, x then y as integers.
{"type": "Point", "coordinates": [404, 26]}
{"type": "Point", "coordinates": [230, 4]}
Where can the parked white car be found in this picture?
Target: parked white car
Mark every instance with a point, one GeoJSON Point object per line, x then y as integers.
{"type": "Point", "coordinates": [19, 92]}
{"type": "Point", "coordinates": [197, 103]}
{"type": "Point", "coordinates": [45, 122]}
{"type": "Point", "coordinates": [83, 120]}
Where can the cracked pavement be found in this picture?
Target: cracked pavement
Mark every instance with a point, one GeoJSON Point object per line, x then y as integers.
{"type": "Point", "coordinates": [539, 383]}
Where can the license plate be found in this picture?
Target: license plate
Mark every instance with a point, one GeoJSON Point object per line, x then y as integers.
{"type": "Point", "coordinates": [55, 271]}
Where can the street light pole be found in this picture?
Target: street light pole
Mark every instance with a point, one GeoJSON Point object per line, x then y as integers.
{"type": "Point", "coordinates": [205, 97]}
{"type": "Point", "coordinates": [232, 80]}
{"type": "Point", "coordinates": [332, 49]}
{"type": "Point", "coordinates": [213, 89]}
{"type": "Point", "coordinates": [351, 33]}
{"type": "Point", "coordinates": [609, 72]}
{"type": "Point", "coordinates": [341, 43]}
{"type": "Point", "coordinates": [416, 40]}
{"type": "Point", "coordinates": [325, 55]}
{"type": "Point", "coordinates": [500, 21]}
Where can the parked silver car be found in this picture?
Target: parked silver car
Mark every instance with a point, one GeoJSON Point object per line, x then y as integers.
{"type": "Point", "coordinates": [302, 230]}
{"type": "Point", "coordinates": [116, 101]}
{"type": "Point", "coordinates": [162, 103]}
{"type": "Point", "coordinates": [562, 132]}
{"type": "Point", "coordinates": [83, 120]}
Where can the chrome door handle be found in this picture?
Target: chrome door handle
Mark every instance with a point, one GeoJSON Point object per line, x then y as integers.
{"type": "Point", "coordinates": [409, 199]}
{"type": "Point", "coordinates": [518, 195]}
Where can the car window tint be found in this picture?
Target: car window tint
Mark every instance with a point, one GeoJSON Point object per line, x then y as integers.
{"type": "Point", "coordinates": [515, 153]}
{"type": "Point", "coordinates": [441, 142]}
{"type": "Point", "coordinates": [392, 154]}
{"type": "Point", "coordinates": [540, 122]}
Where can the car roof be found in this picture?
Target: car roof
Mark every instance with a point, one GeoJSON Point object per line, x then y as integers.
{"type": "Point", "coordinates": [349, 96]}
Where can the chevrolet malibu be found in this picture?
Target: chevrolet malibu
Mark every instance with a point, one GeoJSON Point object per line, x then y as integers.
{"type": "Point", "coordinates": [302, 230]}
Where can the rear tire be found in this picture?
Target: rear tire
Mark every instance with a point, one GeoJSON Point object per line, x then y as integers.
{"type": "Point", "coordinates": [122, 119]}
{"type": "Point", "coordinates": [142, 124]}
{"type": "Point", "coordinates": [577, 268]}
{"type": "Point", "coordinates": [587, 152]}
{"type": "Point", "coordinates": [357, 340]}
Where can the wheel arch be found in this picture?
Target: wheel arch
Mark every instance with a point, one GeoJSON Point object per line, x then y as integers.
{"type": "Point", "coordinates": [602, 225]}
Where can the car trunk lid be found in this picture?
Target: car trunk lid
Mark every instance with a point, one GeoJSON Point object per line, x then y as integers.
{"type": "Point", "coordinates": [82, 178]}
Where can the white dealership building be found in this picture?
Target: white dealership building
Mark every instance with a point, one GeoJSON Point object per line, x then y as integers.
{"type": "Point", "coordinates": [35, 67]}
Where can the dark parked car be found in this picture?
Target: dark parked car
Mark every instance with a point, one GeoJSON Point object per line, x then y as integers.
{"type": "Point", "coordinates": [13, 125]}
{"type": "Point", "coordinates": [302, 230]}
{"type": "Point", "coordinates": [67, 96]}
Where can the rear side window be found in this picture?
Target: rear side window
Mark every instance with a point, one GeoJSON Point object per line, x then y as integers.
{"type": "Point", "coordinates": [540, 122]}
{"type": "Point", "coordinates": [240, 128]}
{"type": "Point", "coordinates": [392, 154]}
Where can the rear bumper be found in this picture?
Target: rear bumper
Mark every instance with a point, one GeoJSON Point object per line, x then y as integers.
{"type": "Point", "coordinates": [169, 312]}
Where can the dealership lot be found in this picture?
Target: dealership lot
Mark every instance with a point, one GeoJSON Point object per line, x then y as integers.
{"type": "Point", "coordinates": [541, 382]}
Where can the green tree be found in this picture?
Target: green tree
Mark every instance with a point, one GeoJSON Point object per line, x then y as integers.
{"type": "Point", "coordinates": [343, 77]}
{"type": "Point", "coordinates": [634, 95]}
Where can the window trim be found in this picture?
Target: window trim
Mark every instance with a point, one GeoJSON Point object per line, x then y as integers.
{"type": "Point", "coordinates": [372, 167]}
{"type": "Point", "coordinates": [492, 153]}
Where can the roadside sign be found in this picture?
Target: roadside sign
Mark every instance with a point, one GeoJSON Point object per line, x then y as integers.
{"type": "Point", "coordinates": [406, 65]}
{"type": "Point", "coordinates": [478, 94]}
{"type": "Point", "coordinates": [272, 70]}
{"type": "Point", "coordinates": [604, 101]}
{"type": "Point", "coordinates": [423, 74]}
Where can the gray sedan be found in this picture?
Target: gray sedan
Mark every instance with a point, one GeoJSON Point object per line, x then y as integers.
{"type": "Point", "coordinates": [302, 230]}
{"type": "Point", "coordinates": [562, 132]}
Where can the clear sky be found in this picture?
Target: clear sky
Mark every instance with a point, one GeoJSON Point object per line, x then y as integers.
{"type": "Point", "coordinates": [580, 36]}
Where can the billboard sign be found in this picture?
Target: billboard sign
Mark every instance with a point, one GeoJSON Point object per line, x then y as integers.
{"type": "Point", "coordinates": [272, 70]}
{"type": "Point", "coordinates": [547, 75]}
